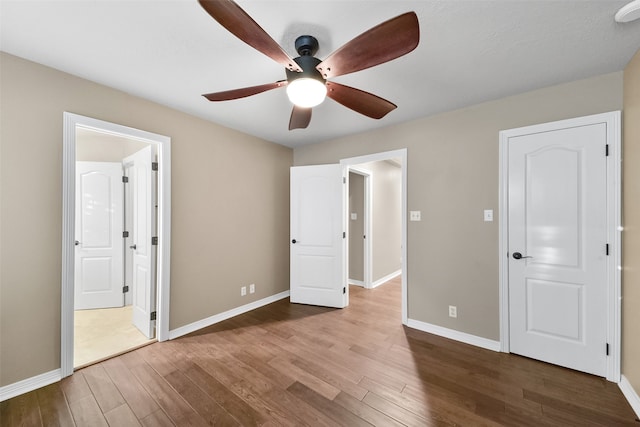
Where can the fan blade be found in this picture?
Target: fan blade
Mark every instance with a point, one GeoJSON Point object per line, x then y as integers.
{"type": "Point", "coordinates": [244, 92]}
{"type": "Point", "coordinates": [239, 23]}
{"type": "Point", "coordinates": [300, 118]}
{"type": "Point", "coordinates": [360, 101]}
{"type": "Point", "coordinates": [382, 43]}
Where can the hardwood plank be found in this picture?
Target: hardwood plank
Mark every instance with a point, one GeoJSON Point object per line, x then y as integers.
{"type": "Point", "coordinates": [157, 419]}
{"type": "Point", "coordinates": [233, 404]}
{"type": "Point", "coordinates": [326, 406]}
{"type": "Point", "coordinates": [22, 410]}
{"type": "Point", "coordinates": [171, 402]}
{"type": "Point", "coordinates": [106, 393]}
{"type": "Point", "coordinates": [53, 406]}
{"type": "Point", "coordinates": [364, 411]}
{"type": "Point", "coordinates": [136, 396]}
{"type": "Point", "coordinates": [396, 412]}
{"type": "Point", "coordinates": [314, 383]}
{"type": "Point", "coordinates": [209, 409]}
{"type": "Point", "coordinates": [86, 412]}
{"type": "Point", "coordinates": [75, 387]}
{"type": "Point", "coordinates": [122, 416]}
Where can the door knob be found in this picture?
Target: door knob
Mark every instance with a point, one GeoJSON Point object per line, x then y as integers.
{"type": "Point", "coordinates": [518, 255]}
{"type": "Point", "coordinates": [76, 243]}
{"type": "Point", "coordinates": [294, 241]}
{"type": "Point", "coordinates": [133, 247]}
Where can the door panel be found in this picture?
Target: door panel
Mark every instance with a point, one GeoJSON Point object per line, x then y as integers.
{"type": "Point", "coordinates": [142, 183]}
{"type": "Point", "coordinates": [317, 264]}
{"type": "Point", "coordinates": [557, 221]}
{"type": "Point", "coordinates": [98, 262]}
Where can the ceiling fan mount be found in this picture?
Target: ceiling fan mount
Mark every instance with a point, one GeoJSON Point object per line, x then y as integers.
{"type": "Point", "coordinates": [306, 45]}
{"type": "Point", "coordinates": [382, 43]}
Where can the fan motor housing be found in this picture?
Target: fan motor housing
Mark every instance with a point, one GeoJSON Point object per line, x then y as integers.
{"type": "Point", "coordinates": [308, 65]}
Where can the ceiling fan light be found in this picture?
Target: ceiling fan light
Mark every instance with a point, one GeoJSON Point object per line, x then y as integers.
{"type": "Point", "coordinates": [306, 92]}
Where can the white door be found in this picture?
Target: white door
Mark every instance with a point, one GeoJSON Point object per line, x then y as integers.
{"type": "Point", "coordinates": [557, 207]}
{"type": "Point", "coordinates": [318, 274]}
{"type": "Point", "coordinates": [98, 229]}
{"type": "Point", "coordinates": [142, 185]}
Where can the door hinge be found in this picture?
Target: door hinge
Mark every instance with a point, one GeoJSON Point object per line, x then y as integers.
{"type": "Point", "coordinates": [154, 166]}
{"type": "Point", "coordinates": [125, 179]}
{"type": "Point", "coordinates": [607, 349]}
{"type": "Point", "coordinates": [125, 289]}
{"type": "Point", "coordinates": [344, 234]}
{"type": "Point", "coordinates": [344, 290]}
{"type": "Point", "coordinates": [606, 150]}
{"type": "Point", "coordinates": [125, 234]}
{"type": "Point", "coordinates": [153, 315]}
{"type": "Point", "coordinates": [154, 240]}
{"type": "Point", "coordinates": [607, 249]}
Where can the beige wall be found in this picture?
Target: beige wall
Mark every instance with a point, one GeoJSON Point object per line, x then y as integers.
{"type": "Point", "coordinates": [223, 235]}
{"type": "Point", "coordinates": [386, 227]}
{"type": "Point", "coordinates": [452, 177]}
{"type": "Point", "coordinates": [98, 147]}
{"type": "Point", "coordinates": [631, 237]}
{"type": "Point", "coordinates": [356, 227]}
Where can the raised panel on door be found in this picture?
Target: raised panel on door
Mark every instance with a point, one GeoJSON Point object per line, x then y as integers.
{"type": "Point", "coordinates": [557, 221]}
{"type": "Point", "coordinates": [99, 254]}
{"type": "Point", "coordinates": [317, 264]}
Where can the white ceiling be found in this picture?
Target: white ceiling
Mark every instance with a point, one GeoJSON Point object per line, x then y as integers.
{"type": "Point", "coordinates": [171, 52]}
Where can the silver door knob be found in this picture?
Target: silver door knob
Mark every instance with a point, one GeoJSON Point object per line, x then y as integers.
{"type": "Point", "coordinates": [76, 243]}
{"type": "Point", "coordinates": [133, 247]}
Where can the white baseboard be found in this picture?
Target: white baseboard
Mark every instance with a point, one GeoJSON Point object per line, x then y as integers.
{"type": "Point", "coordinates": [630, 394]}
{"type": "Point", "coordinates": [386, 278]}
{"type": "Point", "coordinates": [356, 282]}
{"type": "Point", "coordinates": [30, 384]}
{"type": "Point", "coordinates": [192, 327]}
{"type": "Point", "coordinates": [455, 335]}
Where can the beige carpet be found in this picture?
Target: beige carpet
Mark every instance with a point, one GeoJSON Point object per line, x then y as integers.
{"type": "Point", "coordinates": [100, 334]}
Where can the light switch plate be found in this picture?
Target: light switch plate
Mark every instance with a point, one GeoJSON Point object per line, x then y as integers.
{"type": "Point", "coordinates": [488, 215]}
{"type": "Point", "coordinates": [354, 216]}
{"type": "Point", "coordinates": [414, 215]}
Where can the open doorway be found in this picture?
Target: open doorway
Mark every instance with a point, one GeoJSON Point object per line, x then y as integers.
{"type": "Point", "coordinates": [84, 229]}
{"type": "Point", "coordinates": [375, 214]}
{"type": "Point", "coordinates": [115, 213]}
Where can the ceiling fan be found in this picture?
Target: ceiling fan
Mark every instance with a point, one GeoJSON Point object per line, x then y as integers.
{"type": "Point", "coordinates": [306, 82]}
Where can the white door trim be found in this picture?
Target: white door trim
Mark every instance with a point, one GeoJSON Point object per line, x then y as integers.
{"type": "Point", "coordinates": [614, 229]}
{"type": "Point", "coordinates": [388, 155]}
{"type": "Point", "coordinates": [71, 123]}
{"type": "Point", "coordinates": [368, 210]}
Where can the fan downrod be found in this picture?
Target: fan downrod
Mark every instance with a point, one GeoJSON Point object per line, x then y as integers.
{"type": "Point", "coordinates": [306, 45]}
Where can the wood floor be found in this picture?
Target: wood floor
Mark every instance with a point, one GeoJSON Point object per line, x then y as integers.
{"type": "Point", "coordinates": [296, 365]}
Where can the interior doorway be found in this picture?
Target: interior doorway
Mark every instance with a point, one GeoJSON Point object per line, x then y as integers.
{"type": "Point", "coordinates": [109, 319]}
{"type": "Point", "coordinates": [109, 194]}
{"type": "Point", "coordinates": [392, 166]}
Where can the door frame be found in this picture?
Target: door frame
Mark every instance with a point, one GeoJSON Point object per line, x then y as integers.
{"type": "Point", "coordinates": [367, 221]}
{"type": "Point", "coordinates": [387, 155]}
{"type": "Point", "coordinates": [70, 123]}
{"type": "Point", "coordinates": [614, 228]}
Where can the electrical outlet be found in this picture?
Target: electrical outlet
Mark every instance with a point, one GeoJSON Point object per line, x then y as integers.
{"type": "Point", "coordinates": [252, 288]}
{"type": "Point", "coordinates": [453, 311]}
{"type": "Point", "coordinates": [414, 216]}
{"type": "Point", "coordinates": [488, 215]}
{"type": "Point", "coordinates": [243, 291]}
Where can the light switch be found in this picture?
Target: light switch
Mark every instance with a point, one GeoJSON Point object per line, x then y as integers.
{"type": "Point", "coordinates": [354, 216]}
{"type": "Point", "coordinates": [414, 215]}
{"type": "Point", "coordinates": [488, 215]}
